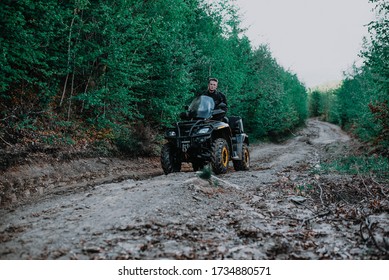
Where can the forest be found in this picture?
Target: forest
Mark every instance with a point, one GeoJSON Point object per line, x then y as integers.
{"type": "Point", "coordinates": [113, 75]}
{"type": "Point", "coordinates": [105, 73]}
{"type": "Point", "coordinates": [360, 104]}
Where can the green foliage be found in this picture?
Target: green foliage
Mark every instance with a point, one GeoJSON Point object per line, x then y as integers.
{"type": "Point", "coordinates": [315, 103]}
{"type": "Point", "coordinates": [136, 140]}
{"type": "Point", "coordinates": [376, 53]}
{"type": "Point", "coordinates": [114, 64]}
{"type": "Point", "coordinates": [356, 106]}
{"type": "Point", "coordinates": [206, 173]}
{"type": "Point", "coordinates": [30, 30]}
{"type": "Point", "coordinates": [360, 105]}
{"type": "Point", "coordinates": [303, 189]}
{"type": "Point", "coordinates": [272, 100]}
{"type": "Point", "coordinates": [325, 105]}
{"type": "Point", "coordinates": [128, 142]}
{"type": "Point", "coordinates": [364, 165]}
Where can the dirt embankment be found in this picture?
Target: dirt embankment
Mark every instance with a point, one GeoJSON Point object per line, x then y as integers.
{"type": "Point", "coordinates": [282, 208]}
{"type": "Point", "coordinates": [42, 174]}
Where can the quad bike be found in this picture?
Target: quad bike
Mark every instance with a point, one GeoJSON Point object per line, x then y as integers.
{"type": "Point", "coordinates": [206, 136]}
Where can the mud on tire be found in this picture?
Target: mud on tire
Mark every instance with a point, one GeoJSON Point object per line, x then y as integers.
{"type": "Point", "coordinates": [220, 156]}
{"type": "Point", "coordinates": [169, 159]}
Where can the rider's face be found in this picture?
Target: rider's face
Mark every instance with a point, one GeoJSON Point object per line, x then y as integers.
{"type": "Point", "coordinates": [212, 86]}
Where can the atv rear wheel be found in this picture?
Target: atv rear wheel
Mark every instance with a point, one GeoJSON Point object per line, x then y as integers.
{"type": "Point", "coordinates": [169, 159]}
{"type": "Point", "coordinates": [243, 164]}
{"type": "Point", "coordinates": [220, 156]}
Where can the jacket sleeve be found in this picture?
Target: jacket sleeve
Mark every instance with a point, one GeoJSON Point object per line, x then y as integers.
{"type": "Point", "coordinates": [224, 100]}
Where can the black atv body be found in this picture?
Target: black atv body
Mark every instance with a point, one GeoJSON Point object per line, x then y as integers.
{"type": "Point", "coordinates": [206, 136]}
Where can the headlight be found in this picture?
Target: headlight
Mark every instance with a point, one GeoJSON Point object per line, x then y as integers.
{"type": "Point", "coordinates": [204, 130]}
{"type": "Point", "coordinates": [171, 133]}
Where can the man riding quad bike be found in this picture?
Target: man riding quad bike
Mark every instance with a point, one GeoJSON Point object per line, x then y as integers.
{"type": "Point", "coordinates": [205, 136]}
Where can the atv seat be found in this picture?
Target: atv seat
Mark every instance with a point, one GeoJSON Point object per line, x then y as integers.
{"type": "Point", "coordinates": [236, 124]}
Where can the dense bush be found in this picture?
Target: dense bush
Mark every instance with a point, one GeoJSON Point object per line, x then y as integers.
{"type": "Point", "coordinates": [110, 65]}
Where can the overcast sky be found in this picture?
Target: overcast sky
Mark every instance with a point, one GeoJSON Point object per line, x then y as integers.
{"type": "Point", "coordinates": [316, 39]}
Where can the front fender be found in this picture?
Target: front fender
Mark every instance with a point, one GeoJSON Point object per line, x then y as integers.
{"type": "Point", "coordinates": [222, 130]}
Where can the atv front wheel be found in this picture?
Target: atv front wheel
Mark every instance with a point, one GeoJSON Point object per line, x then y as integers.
{"type": "Point", "coordinates": [220, 156]}
{"type": "Point", "coordinates": [243, 164]}
{"type": "Point", "coordinates": [169, 159]}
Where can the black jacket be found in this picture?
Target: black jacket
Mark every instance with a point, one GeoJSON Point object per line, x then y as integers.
{"type": "Point", "coordinates": [218, 97]}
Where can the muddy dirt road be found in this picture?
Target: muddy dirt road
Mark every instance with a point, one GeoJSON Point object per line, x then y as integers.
{"type": "Point", "coordinates": [279, 209]}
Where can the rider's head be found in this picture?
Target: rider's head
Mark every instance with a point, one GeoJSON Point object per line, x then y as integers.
{"type": "Point", "coordinates": [212, 85]}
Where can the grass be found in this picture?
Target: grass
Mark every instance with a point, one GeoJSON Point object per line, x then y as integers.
{"type": "Point", "coordinates": [377, 165]}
